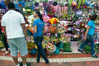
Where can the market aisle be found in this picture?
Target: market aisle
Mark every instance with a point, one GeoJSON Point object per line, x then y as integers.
{"type": "Point", "coordinates": [55, 60]}
{"type": "Point", "coordinates": [79, 59]}
{"type": "Point", "coordinates": [93, 63]}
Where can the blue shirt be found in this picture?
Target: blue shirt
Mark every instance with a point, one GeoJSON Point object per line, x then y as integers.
{"type": "Point", "coordinates": [40, 25]}
{"type": "Point", "coordinates": [92, 27]}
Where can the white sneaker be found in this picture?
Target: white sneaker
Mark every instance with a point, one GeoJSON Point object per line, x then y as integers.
{"type": "Point", "coordinates": [6, 53]}
{"type": "Point", "coordinates": [25, 65]}
{"type": "Point", "coordinates": [18, 65]}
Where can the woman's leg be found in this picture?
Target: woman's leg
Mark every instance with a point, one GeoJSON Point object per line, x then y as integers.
{"type": "Point", "coordinates": [38, 41]}
{"type": "Point", "coordinates": [38, 56]}
{"type": "Point", "coordinates": [80, 49]}
{"type": "Point", "coordinates": [42, 52]}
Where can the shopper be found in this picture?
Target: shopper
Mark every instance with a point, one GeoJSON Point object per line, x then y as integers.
{"type": "Point", "coordinates": [38, 27]}
{"type": "Point", "coordinates": [89, 36]}
{"type": "Point", "coordinates": [14, 26]}
{"type": "Point", "coordinates": [4, 39]}
{"type": "Point", "coordinates": [0, 24]}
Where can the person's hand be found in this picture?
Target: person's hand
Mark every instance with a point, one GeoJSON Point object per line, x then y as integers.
{"type": "Point", "coordinates": [7, 40]}
{"type": "Point", "coordinates": [85, 37]}
{"type": "Point", "coordinates": [27, 38]}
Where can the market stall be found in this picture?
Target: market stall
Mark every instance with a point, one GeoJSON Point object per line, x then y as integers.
{"type": "Point", "coordinates": [64, 23]}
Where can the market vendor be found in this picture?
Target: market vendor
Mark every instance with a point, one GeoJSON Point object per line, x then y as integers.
{"type": "Point", "coordinates": [89, 36]}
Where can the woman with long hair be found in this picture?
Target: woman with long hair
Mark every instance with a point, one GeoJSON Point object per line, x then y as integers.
{"type": "Point", "coordinates": [38, 27]}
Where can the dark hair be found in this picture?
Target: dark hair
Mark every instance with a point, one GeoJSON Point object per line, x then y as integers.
{"type": "Point", "coordinates": [55, 3]}
{"type": "Point", "coordinates": [36, 4]}
{"type": "Point", "coordinates": [11, 5]}
{"type": "Point", "coordinates": [39, 14]}
{"type": "Point", "coordinates": [28, 13]}
{"type": "Point", "coordinates": [93, 17]}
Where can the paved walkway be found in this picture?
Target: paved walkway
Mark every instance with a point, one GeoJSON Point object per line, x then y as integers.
{"type": "Point", "coordinates": [55, 60]}
{"type": "Point", "coordinates": [93, 63]}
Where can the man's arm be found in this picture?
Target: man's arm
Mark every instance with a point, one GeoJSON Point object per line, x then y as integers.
{"type": "Point", "coordinates": [24, 29]}
{"type": "Point", "coordinates": [22, 22]}
{"type": "Point", "coordinates": [85, 37]}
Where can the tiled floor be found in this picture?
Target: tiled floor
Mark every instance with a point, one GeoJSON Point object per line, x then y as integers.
{"type": "Point", "coordinates": [54, 59]}
{"type": "Point", "coordinates": [93, 63]}
{"type": "Point", "coordinates": [55, 56]}
{"type": "Point", "coordinates": [75, 59]}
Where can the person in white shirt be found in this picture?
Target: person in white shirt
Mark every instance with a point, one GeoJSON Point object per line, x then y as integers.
{"type": "Point", "coordinates": [15, 31]}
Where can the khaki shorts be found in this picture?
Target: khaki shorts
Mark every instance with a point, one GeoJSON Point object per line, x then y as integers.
{"type": "Point", "coordinates": [18, 44]}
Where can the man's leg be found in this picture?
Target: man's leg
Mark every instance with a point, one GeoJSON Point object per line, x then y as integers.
{"type": "Point", "coordinates": [83, 44]}
{"type": "Point", "coordinates": [13, 50]}
{"type": "Point", "coordinates": [80, 49]}
{"type": "Point", "coordinates": [92, 47]}
{"type": "Point", "coordinates": [22, 46]}
{"type": "Point", "coordinates": [24, 60]}
{"type": "Point", "coordinates": [15, 59]}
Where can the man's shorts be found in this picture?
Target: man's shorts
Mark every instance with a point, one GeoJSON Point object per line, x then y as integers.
{"type": "Point", "coordinates": [18, 44]}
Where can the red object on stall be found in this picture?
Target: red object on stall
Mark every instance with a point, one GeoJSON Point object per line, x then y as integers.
{"type": "Point", "coordinates": [95, 41]}
{"type": "Point", "coordinates": [52, 29]}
